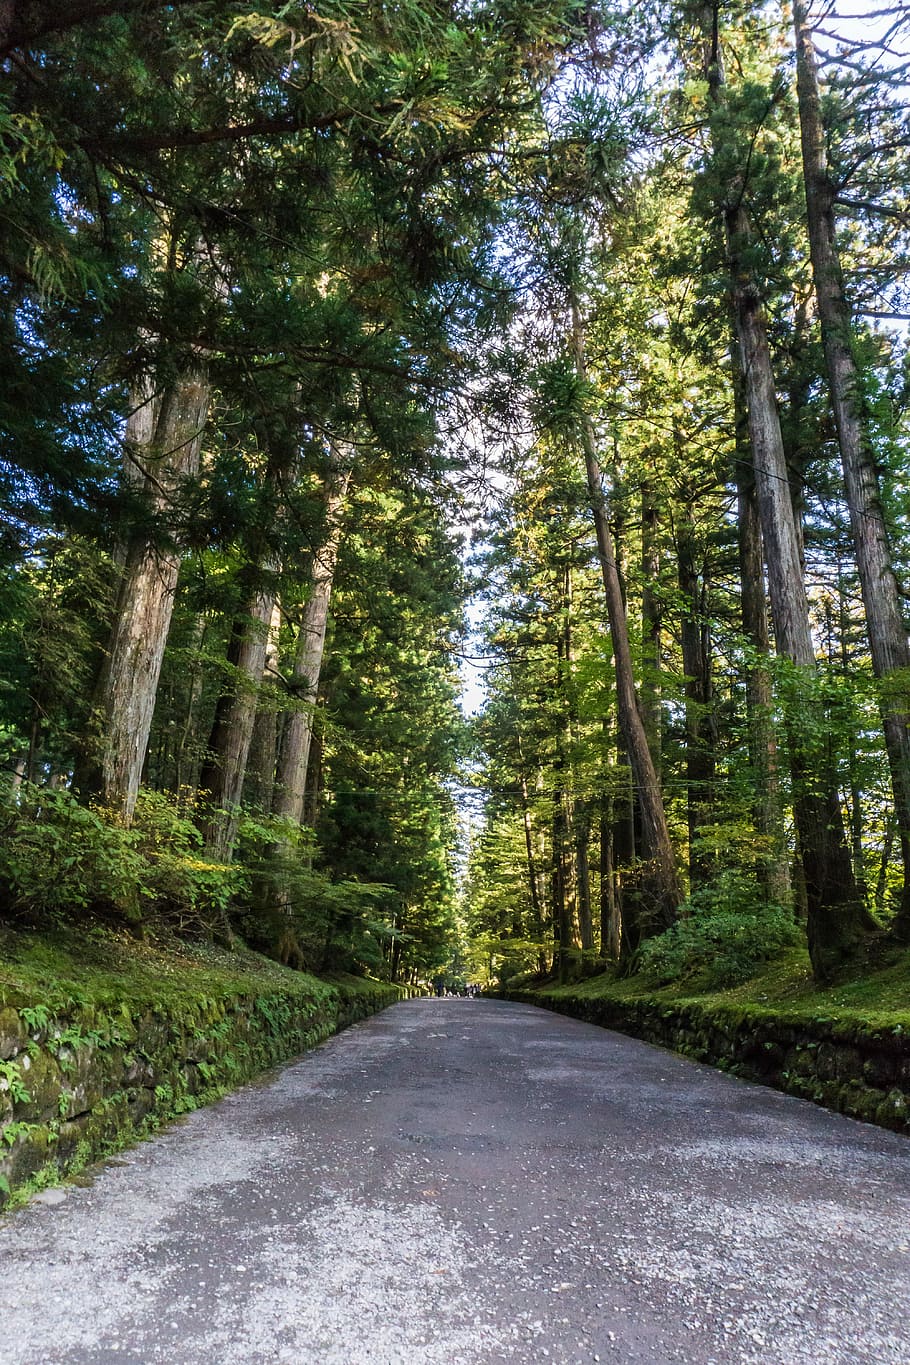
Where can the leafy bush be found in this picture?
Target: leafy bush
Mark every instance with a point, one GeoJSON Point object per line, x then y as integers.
{"type": "Point", "coordinates": [57, 857]}
{"type": "Point", "coordinates": [727, 930]}
{"type": "Point", "coordinates": [299, 914]}
{"type": "Point", "coordinates": [180, 884]}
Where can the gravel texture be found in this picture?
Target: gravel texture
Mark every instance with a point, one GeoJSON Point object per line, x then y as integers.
{"type": "Point", "coordinates": [472, 1181]}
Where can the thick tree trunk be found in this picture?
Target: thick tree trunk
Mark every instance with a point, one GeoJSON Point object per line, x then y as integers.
{"type": "Point", "coordinates": [658, 889]}
{"type": "Point", "coordinates": [163, 441]}
{"type": "Point", "coordinates": [888, 640]}
{"type": "Point", "coordinates": [696, 658]}
{"type": "Point", "coordinates": [312, 801]}
{"type": "Point", "coordinates": [836, 918]}
{"type": "Point", "coordinates": [651, 620]}
{"type": "Point", "coordinates": [224, 769]}
{"type": "Point", "coordinates": [291, 777]}
{"type": "Point", "coordinates": [260, 770]}
{"type": "Point", "coordinates": [773, 867]}
{"type": "Point", "coordinates": [837, 922]}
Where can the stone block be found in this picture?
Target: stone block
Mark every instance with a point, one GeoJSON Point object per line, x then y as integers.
{"type": "Point", "coordinates": [13, 1034]}
{"type": "Point", "coordinates": [43, 1081]}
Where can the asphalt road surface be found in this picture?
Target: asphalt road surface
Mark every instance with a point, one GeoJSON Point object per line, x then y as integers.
{"type": "Point", "coordinates": [469, 1181]}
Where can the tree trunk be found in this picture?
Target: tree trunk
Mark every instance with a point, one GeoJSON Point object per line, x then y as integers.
{"type": "Point", "coordinates": [609, 907]}
{"type": "Point", "coordinates": [837, 922]}
{"type": "Point", "coordinates": [561, 885]}
{"type": "Point", "coordinates": [582, 823]}
{"type": "Point", "coordinates": [224, 769]}
{"type": "Point", "coordinates": [531, 859]}
{"type": "Point", "coordinates": [696, 659]}
{"type": "Point", "coordinates": [291, 777]}
{"type": "Point", "coordinates": [312, 801]}
{"type": "Point", "coordinates": [658, 889]}
{"type": "Point", "coordinates": [163, 441]}
{"type": "Point", "coordinates": [260, 774]}
{"type": "Point", "coordinates": [563, 880]}
{"type": "Point", "coordinates": [768, 811]}
{"type": "Point", "coordinates": [888, 641]}
{"type": "Point", "coordinates": [881, 884]}
{"type": "Point", "coordinates": [651, 614]}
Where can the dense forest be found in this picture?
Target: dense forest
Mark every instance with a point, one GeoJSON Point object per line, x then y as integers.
{"type": "Point", "coordinates": [319, 325]}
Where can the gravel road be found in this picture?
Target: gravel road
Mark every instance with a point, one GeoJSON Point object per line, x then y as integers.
{"type": "Point", "coordinates": [471, 1181]}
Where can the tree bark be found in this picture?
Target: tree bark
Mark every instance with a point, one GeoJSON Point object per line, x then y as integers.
{"type": "Point", "coordinates": [260, 773]}
{"type": "Point", "coordinates": [651, 620]}
{"type": "Point", "coordinates": [888, 640]}
{"type": "Point", "coordinates": [530, 856]}
{"type": "Point", "coordinates": [564, 903]}
{"type": "Point", "coordinates": [224, 769]}
{"type": "Point", "coordinates": [837, 922]}
{"type": "Point", "coordinates": [291, 777]}
{"type": "Point", "coordinates": [582, 823]}
{"type": "Point", "coordinates": [162, 449]}
{"type": "Point", "coordinates": [658, 890]}
{"type": "Point", "coordinates": [561, 885]}
{"type": "Point", "coordinates": [768, 811]}
{"type": "Point", "coordinates": [696, 659]}
{"type": "Point", "coordinates": [609, 907]}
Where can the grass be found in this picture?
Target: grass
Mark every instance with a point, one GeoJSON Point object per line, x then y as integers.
{"type": "Point", "coordinates": [880, 998]}
{"type": "Point", "coordinates": [105, 969]}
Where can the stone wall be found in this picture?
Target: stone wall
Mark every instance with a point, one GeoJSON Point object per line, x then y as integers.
{"type": "Point", "coordinates": [849, 1066]}
{"type": "Point", "coordinates": [76, 1086]}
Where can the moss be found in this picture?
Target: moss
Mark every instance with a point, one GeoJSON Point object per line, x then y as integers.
{"type": "Point", "coordinates": [122, 1041]}
{"type": "Point", "coordinates": [13, 1034]}
{"type": "Point", "coordinates": [43, 1082]}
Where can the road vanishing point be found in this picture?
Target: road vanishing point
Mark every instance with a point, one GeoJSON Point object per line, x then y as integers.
{"type": "Point", "coordinates": [473, 1181]}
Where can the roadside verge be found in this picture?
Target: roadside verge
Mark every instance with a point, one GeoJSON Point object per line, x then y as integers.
{"type": "Point", "coordinates": [101, 1044]}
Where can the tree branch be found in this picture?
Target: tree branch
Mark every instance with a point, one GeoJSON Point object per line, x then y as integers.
{"type": "Point", "coordinates": [152, 141]}
{"type": "Point", "coordinates": [58, 20]}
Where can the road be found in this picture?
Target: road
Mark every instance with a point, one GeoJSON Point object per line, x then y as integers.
{"type": "Point", "coordinates": [472, 1181]}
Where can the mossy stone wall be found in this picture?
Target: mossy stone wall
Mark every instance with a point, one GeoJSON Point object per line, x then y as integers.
{"type": "Point", "coordinates": [845, 1065]}
{"type": "Point", "coordinates": [76, 1086]}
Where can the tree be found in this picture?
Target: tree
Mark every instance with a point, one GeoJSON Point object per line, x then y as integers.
{"type": "Point", "coordinates": [837, 922]}
{"type": "Point", "coordinates": [888, 639]}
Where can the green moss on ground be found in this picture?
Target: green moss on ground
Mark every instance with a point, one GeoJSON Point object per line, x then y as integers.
{"type": "Point", "coordinates": [110, 970]}
{"type": "Point", "coordinates": [879, 999]}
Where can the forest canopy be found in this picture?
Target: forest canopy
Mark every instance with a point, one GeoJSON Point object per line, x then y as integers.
{"type": "Point", "coordinates": [322, 323]}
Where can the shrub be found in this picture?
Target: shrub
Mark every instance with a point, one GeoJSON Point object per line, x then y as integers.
{"type": "Point", "coordinates": [57, 856]}
{"type": "Point", "coordinates": [180, 884]}
{"type": "Point", "coordinates": [725, 933]}
{"type": "Point", "coordinates": [299, 914]}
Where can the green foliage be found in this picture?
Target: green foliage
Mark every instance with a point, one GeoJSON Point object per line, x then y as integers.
{"type": "Point", "coordinates": [181, 885]}
{"type": "Point", "coordinates": [59, 858]}
{"type": "Point", "coordinates": [301, 915]}
{"type": "Point", "coordinates": [12, 1084]}
{"type": "Point", "coordinates": [726, 933]}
